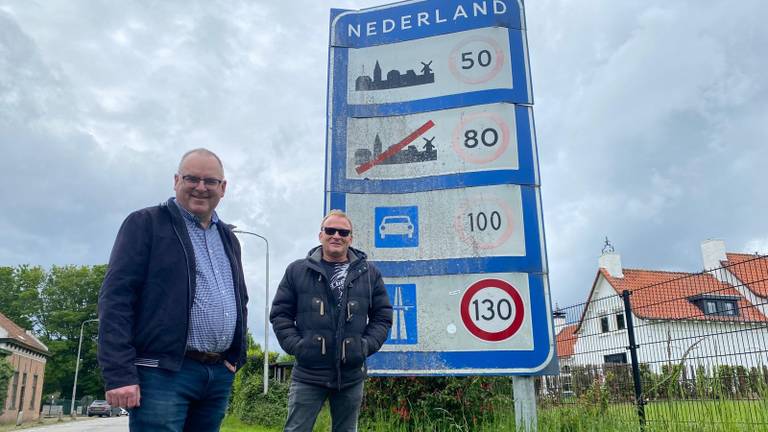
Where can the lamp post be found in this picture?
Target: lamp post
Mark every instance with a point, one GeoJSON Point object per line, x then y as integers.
{"type": "Point", "coordinates": [266, 310]}
{"type": "Point", "coordinates": [77, 366]}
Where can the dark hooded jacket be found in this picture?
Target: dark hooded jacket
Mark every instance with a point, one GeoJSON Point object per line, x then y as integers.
{"type": "Point", "coordinates": [331, 343]}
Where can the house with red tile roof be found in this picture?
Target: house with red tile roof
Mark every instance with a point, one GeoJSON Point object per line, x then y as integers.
{"type": "Point", "coordinates": [27, 356]}
{"type": "Point", "coordinates": [706, 319]}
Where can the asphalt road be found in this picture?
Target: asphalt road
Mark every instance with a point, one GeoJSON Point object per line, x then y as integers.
{"type": "Point", "coordinates": [106, 424]}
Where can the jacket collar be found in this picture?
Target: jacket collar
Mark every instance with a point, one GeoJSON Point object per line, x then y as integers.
{"type": "Point", "coordinates": [356, 256]}
{"type": "Point", "coordinates": [186, 214]}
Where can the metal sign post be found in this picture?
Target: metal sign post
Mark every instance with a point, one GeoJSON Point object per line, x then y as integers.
{"type": "Point", "coordinates": [431, 151]}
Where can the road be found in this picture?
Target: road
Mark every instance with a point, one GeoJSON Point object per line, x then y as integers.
{"type": "Point", "coordinates": [109, 424]}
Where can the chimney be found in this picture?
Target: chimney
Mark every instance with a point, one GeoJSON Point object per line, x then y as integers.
{"type": "Point", "coordinates": [611, 261]}
{"type": "Point", "coordinates": [712, 253]}
{"type": "Point", "coordinates": [558, 317]}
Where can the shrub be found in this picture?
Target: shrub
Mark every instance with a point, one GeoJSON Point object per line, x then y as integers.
{"type": "Point", "coordinates": [252, 406]}
{"type": "Point", "coordinates": [6, 372]}
{"type": "Point", "coordinates": [443, 403]}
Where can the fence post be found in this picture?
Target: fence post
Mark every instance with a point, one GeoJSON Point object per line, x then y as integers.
{"type": "Point", "coordinates": [639, 399]}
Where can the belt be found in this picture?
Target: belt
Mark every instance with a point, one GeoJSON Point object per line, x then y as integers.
{"type": "Point", "coordinates": [205, 357]}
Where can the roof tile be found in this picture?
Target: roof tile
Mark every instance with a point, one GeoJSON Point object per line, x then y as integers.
{"type": "Point", "coordinates": [752, 270]}
{"type": "Point", "coordinates": [19, 336]}
{"type": "Point", "coordinates": [566, 340]}
{"type": "Point", "coordinates": [665, 295]}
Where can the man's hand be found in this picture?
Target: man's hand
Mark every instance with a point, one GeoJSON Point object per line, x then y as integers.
{"type": "Point", "coordinates": [127, 397]}
{"type": "Point", "coordinates": [230, 366]}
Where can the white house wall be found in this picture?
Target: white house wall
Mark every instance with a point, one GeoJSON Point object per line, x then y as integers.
{"type": "Point", "coordinates": [663, 342]}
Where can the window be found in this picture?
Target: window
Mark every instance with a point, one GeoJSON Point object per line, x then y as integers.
{"type": "Point", "coordinates": [620, 321]}
{"type": "Point", "coordinates": [729, 308]}
{"type": "Point", "coordinates": [14, 390]}
{"type": "Point", "coordinates": [565, 382]}
{"type": "Point", "coordinates": [620, 358]}
{"type": "Point", "coordinates": [722, 306]}
{"type": "Point", "coordinates": [23, 391]}
{"type": "Point", "coordinates": [710, 307]}
{"type": "Point", "coordinates": [604, 325]}
{"type": "Point", "coordinates": [34, 392]}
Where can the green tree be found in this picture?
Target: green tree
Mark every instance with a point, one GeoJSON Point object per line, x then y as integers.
{"type": "Point", "coordinates": [20, 294]}
{"type": "Point", "coordinates": [68, 298]}
{"type": "Point", "coordinates": [6, 372]}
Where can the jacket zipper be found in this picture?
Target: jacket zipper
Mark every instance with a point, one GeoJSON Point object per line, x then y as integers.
{"type": "Point", "coordinates": [340, 322]}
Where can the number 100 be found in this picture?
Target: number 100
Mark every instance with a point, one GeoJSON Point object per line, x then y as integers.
{"type": "Point", "coordinates": [480, 220]}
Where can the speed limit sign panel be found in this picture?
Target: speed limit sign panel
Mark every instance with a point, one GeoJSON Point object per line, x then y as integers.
{"type": "Point", "coordinates": [455, 63]}
{"type": "Point", "coordinates": [470, 139]}
{"type": "Point", "coordinates": [465, 312]}
{"type": "Point", "coordinates": [451, 223]}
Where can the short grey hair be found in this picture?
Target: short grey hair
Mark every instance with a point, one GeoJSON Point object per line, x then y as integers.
{"type": "Point", "coordinates": [202, 151]}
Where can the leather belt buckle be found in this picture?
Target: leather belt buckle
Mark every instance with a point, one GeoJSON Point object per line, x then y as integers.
{"type": "Point", "coordinates": [205, 357]}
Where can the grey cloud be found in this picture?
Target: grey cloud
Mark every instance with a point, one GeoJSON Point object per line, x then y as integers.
{"type": "Point", "coordinates": [651, 118]}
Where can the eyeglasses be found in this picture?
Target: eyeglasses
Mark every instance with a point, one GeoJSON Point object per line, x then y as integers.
{"type": "Point", "coordinates": [331, 231]}
{"type": "Point", "coordinates": [209, 182]}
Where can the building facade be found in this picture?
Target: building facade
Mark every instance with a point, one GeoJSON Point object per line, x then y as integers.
{"type": "Point", "coordinates": [27, 356]}
{"type": "Point", "coordinates": [697, 322]}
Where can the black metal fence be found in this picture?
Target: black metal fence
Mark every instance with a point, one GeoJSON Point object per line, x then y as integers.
{"type": "Point", "coordinates": [663, 349]}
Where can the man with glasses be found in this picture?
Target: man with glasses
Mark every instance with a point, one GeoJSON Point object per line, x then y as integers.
{"type": "Point", "coordinates": [172, 307]}
{"type": "Point", "coordinates": [330, 312]}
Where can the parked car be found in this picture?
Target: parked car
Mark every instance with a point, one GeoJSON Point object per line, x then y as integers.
{"type": "Point", "coordinates": [99, 408]}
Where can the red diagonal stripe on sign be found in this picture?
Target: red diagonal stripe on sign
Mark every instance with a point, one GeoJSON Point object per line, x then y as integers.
{"type": "Point", "coordinates": [392, 150]}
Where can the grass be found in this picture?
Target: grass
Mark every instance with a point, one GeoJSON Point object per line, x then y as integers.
{"type": "Point", "coordinates": [232, 424]}
{"type": "Point", "coordinates": [675, 416]}
{"type": "Point", "coordinates": [672, 416]}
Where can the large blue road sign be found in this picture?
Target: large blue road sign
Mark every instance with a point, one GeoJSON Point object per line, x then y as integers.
{"type": "Point", "coordinates": [431, 151]}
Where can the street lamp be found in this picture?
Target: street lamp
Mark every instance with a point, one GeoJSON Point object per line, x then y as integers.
{"type": "Point", "coordinates": [266, 310]}
{"type": "Point", "coordinates": [77, 366]}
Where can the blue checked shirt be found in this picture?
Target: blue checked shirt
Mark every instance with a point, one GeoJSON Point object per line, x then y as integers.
{"type": "Point", "coordinates": [214, 310]}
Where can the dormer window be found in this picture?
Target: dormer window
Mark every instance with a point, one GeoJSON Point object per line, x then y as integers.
{"type": "Point", "coordinates": [717, 305]}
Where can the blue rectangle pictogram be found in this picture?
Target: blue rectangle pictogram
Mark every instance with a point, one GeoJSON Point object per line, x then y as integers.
{"type": "Point", "coordinates": [404, 329]}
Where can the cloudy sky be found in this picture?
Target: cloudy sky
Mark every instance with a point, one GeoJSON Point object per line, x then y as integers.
{"type": "Point", "coordinates": [651, 119]}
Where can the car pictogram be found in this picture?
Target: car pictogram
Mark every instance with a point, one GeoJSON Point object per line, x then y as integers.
{"type": "Point", "coordinates": [396, 225]}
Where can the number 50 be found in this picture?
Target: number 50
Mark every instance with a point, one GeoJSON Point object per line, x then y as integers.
{"type": "Point", "coordinates": [483, 59]}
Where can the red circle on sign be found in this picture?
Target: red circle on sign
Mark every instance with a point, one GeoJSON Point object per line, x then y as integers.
{"type": "Point", "coordinates": [513, 327]}
{"type": "Point", "coordinates": [454, 60]}
{"type": "Point", "coordinates": [458, 224]}
{"type": "Point", "coordinates": [464, 153]}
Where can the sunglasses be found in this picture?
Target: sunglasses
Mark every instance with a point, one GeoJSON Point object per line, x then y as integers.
{"type": "Point", "coordinates": [331, 231]}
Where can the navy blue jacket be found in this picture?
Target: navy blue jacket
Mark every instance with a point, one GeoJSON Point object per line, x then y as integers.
{"type": "Point", "coordinates": [331, 343]}
{"type": "Point", "coordinates": [147, 294]}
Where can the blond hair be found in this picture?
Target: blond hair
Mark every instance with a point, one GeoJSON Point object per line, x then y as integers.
{"type": "Point", "coordinates": [339, 213]}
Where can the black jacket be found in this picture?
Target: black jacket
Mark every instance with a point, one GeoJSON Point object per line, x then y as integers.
{"type": "Point", "coordinates": [331, 344]}
{"type": "Point", "coordinates": [146, 297]}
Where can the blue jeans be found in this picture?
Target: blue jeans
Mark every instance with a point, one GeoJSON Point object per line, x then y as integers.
{"type": "Point", "coordinates": [306, 400]}
{"type": "Point", "coordinates": [193, 399]}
